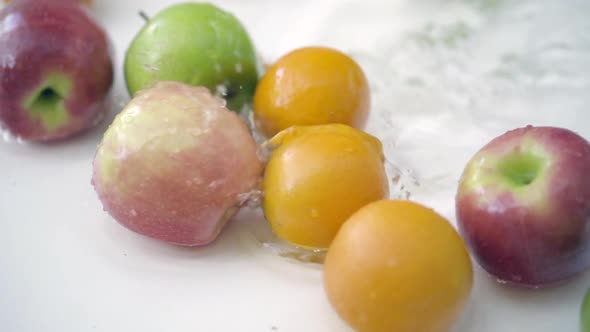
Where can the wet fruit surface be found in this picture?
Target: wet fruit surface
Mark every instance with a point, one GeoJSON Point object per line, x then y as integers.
{"type": "Point", "coordinates": [175, 164]}
{"type": "Point", "coordinates": [198, 44]}
{"type": "Point", "coordinates": [523, 206]}
{"type": "Point", "coordinates": [398, 266]}
{"type": "Point", "coordinates": [311, 86]}
{"type": "Point", "coordinates": [317, 177]}
{"type": "Point", "coordinates": [48, 90]}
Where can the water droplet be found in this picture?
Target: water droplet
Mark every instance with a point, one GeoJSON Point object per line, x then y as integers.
{"type": "Point", "coordinates": [217, 68]}
{"type": "Point", "coordinates": [126, 118]}
{"type": "Point", "coordinates": [262, 236]}
{"type": "Point", "coordinates": [133, 212]}
{"type": "Point", "coordinates": [287, 250]}
{"type": "Point", "coordinates": [221, 89]}
{"type": "Point", "coordinates": [216, 183]}
{"type": "Point", "coordinates": [314, 213]}
{"type": "Point", "coordinates": [151, 68]}
{"type": "Point", "coordinates": [238, 68]}
{"type": "Point", "coordinates": [251, 199]}
{"type": "Point", "coordinates": [7, 136]}
{"type": "Point", "coordinates": [195, 131]}
{"type": "Point", "coordinates": [263, 153]}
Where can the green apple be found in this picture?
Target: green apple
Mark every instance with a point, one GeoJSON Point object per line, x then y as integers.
{"type": "Point", "coordinates": [197, 44]}
{"type": "Point", "coordinates": [585, 318]}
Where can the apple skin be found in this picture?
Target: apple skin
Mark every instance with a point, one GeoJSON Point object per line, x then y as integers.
{"type": "Point", "coordinates": [176, 165]}
{"type": "Point", "coordinates": [198, 44]}
{"type": "Point", "coordinates": [86, 2]}
{"type": "Point", "coordinates": [523, 206]}
{"type": "Point", "coordinates": [57, 47]}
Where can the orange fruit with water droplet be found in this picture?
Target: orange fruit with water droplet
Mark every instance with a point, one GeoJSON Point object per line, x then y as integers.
{"type": "Point", "coordinates": [398, 266]}
{"type": "Point", "coordinates": [311, 86]}
{"type": "Point", "coordinates": [316, 177]}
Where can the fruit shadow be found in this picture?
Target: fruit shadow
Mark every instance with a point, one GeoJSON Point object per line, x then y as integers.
{"type": "Point", "coordinates": [225, 248]}
{"type": "Point", "coordinates": [574, 287]}
{"type": "Point", "coordinates": [236, 250]}
{"type": "Point", "coordinates": [489, 296]}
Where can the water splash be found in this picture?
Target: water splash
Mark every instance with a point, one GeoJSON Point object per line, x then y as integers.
{"type": "Point", "coordinates": [402, 181]}
{"type": "Point", "coordinates": [9, 138]}
{"type": "Point", "coordinates": [443, 88]}
{"type": "Point", "coordinates": [248, 116]}
{"type": "Point", "coordinates": [251, 199]}
{"type": "Point", "coordinates": [260, 234]}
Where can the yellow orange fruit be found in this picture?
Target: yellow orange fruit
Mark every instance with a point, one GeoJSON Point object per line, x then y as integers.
{"type": "Point", "coordinates": [317, 177]}
{"type": "Point", "coordinates": [398, 266]}
{"type": "Point", "coordinates": [311, 86]}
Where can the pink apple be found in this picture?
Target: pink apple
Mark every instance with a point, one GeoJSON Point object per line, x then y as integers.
{"type": "Point", "coordinates": [523, 206]}
{"type": "Point", "coordinates": [176, 164]}
{"type": "Point", "coordinates": [56, 69]}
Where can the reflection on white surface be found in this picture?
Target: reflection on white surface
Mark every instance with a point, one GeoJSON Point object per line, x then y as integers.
{"type": "Point", "coordinates": [447, 76]}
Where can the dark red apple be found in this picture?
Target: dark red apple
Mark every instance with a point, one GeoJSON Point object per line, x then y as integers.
{"type": "Point", "coordinates": [523, 206]}
{"type": "Point", "coordinates": [56, 69]}
{"type": "Point", "coordinates": [87, 2]}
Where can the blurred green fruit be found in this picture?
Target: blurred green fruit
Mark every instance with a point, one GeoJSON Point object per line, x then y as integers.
{"type": "Point", "coordinates": [586, 313]}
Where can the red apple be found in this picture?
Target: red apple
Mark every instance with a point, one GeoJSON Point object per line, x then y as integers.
{"type": "Point", "coordinates": [523, 206]}
{"type": "Point", "coordinates": [176, 164]}
{"type": "Point", "coordinates": [86, 2]}
{"type": "Point", "coordinates": [56, 69]}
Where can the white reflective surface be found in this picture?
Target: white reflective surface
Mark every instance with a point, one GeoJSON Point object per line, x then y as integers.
{"type": "Point", "coordinates": [447, 76]}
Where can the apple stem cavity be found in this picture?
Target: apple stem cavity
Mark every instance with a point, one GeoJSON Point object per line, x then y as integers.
{"type": "Point", "coordinates": [521, 169]}
{"type": "Point", "coordinates": [47, 103]}
{"type": "Point", "coordinates": [49, 96]}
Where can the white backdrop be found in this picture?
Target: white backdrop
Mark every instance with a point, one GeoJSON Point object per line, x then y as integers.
{"type": "Point", "coordinates": [447, 76]}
